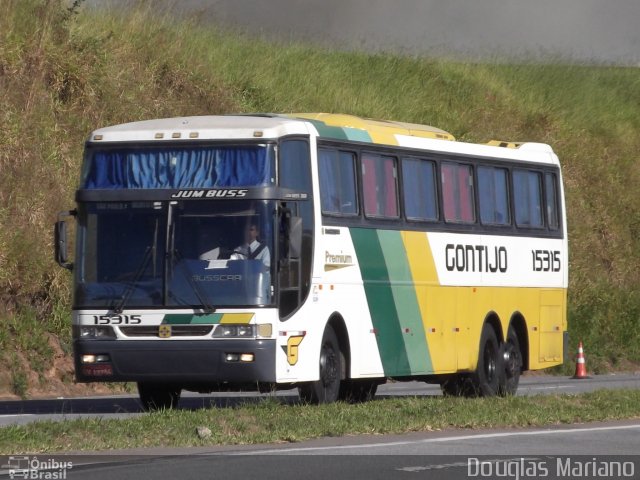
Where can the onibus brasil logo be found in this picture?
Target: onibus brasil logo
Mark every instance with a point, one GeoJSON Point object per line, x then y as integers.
{"type": "Point", "coordinates": [35, 468]}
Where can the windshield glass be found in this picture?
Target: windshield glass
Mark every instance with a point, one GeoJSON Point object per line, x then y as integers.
{"type": "Point", "coordinates": [222, 253]}
{"type": "Point", "coordinates": [202, 254]}
{"type": "Point", "coordinates": [121, 252]}
{"type": "Point", "coordinates": [178, 167]}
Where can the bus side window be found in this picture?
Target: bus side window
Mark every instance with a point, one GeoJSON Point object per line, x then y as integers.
{"type": "Point", "coordinates": [527, 191]}
{"type": "Point", "coordinates": [551, 200]}
{"type": "Point", "coordinates": [457, 193]}
{"type": "Point", "coordinates": [337, 182]}
{"type": "Point", "coordinates": [493, 196]}
{"type": "Point", "coordinates": [420, 194]}
{"type": "Point", "coordinates": [379, 186]}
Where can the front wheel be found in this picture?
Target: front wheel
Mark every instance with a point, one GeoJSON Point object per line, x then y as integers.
{"type": "Point", "coordinates": [154, 396]}
{"type": "Point", "coordinates": [486, 378]}
{"type": "Point", "coordinates": [327, 388]}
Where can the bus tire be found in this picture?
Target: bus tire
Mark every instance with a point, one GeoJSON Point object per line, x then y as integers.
{"type": "Point", "coordinates": [512, 364]}
{"type": "Point", "coordinates": [358, 390]}
{"type": "Point", "coordinates": [327, 388]}
{"type": "Point", "coordinates": [154, 396]}
{"type": "Point", "coordinates": [486, 378]}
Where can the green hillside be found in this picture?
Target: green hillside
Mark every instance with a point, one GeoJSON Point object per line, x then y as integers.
{"type": "Point", "coordinates": [64, 72]}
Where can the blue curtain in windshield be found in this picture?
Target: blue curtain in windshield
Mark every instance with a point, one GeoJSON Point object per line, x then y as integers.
{"type": "Point", "coordinates": [184, 168]}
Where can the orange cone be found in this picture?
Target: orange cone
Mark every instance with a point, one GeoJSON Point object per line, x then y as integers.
{"type": "Point", "coordinates": [581, 366]}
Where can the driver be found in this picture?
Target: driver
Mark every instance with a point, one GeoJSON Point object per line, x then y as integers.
{"type": "Point", "coordinates": [252, 248]}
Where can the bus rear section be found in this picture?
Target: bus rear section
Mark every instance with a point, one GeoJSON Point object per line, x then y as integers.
{"type": "Point", "coordinates": [447, 260]}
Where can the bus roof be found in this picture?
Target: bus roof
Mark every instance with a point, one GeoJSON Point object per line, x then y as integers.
{"type": "Point", "coordinates": [210, 127]}
{"type": "Point", "coordinates": [338, 126]}
{"type": "Point", "coordinates": [327, 125]}
{"type": "Point", "coordinates": [350, 127]}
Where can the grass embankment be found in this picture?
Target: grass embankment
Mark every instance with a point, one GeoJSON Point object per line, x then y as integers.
{"type": "Point", "coordinates": [64, 73]}
{"type": "Point", "coordinates": [269, 421]}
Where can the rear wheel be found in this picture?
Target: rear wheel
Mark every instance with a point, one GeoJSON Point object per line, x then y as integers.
{"type": "Point", "coordinates": [154, 396]}
{"type": "Point", "coordinates": [486, 379]}
{"type": "Point", "coordinates": [327, 388]}
{"type": "Point", "coordinates": [512, 364]}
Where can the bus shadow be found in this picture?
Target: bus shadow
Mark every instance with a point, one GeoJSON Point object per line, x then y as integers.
{"type": "Point", "coordinates": [131, 404]}
{"type": "Point", "coordinates": [106, 405]}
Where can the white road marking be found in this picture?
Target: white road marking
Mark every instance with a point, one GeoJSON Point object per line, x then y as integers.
{"type": "Point", "coordinates": [432, 467]}
{"type": "Point", "coordinates": [441, 439]}
{"type": "Point", "coordinates": [555, 387]}
{"type": "Point", "coordinates": [442, 466]}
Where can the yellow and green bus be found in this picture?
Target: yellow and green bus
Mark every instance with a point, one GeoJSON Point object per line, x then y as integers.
{"type": "Point", "coordinates": [320, 251]}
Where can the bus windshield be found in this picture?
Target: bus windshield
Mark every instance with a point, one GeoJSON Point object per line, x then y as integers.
{"type": "Point", "coordinates": [190, 254]}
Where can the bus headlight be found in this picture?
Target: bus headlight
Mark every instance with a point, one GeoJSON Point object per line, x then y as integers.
{"type": "Point", "coordinates": [234, 331]}
{"type": "Point", "coordinates": [239, 357]}
{"type": "Point", "coordinates": [103, 358]}
{"type": "Point", "coordinates": [94, 333]}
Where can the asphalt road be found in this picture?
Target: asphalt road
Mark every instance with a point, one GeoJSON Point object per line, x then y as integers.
{"type": "Point", "coordinates": [568, 451]}
{"type": "Point", "coordinates": [123, 406]}
{"type": "Point", "coordinates": [558, 452]}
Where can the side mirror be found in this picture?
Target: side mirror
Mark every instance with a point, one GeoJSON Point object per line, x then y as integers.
{"type": "Point", "coordinates": [60, 239]}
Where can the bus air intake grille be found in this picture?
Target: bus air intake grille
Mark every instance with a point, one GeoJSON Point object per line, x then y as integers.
{"type": "Point", "coordinates": [176, 331]}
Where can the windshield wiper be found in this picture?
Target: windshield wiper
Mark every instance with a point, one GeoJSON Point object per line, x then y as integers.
{"type": "Point", "coordinates": [136, 278]}
{"type": "Point", "coordinates": [208, 308]}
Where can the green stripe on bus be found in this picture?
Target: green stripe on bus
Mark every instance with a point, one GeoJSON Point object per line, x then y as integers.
{"type": "Point", "coordinates": [357, 134]}
{"type": "Point", "coordinates": [406, 301]}
{"type": "Point", "coordinates": [327, 131]}
{"type": "Point", "coordinates": [191, 319]}
{"type": "Point", "coordinates": [381, 302]}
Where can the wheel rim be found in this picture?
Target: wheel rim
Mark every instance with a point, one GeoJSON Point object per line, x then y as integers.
{"type": "Point", "coordinates": [511, 360]}
{"type": "Point", "coordinates": [328, 365]}
{"type": "Point", "coordinates": [490, 362]}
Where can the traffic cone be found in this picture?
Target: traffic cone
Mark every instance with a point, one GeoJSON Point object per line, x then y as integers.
{"type": "Point", "coordinates": [581, 366]}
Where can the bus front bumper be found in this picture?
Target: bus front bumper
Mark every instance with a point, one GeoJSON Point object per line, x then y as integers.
{"type": "Point", "coordinates": [177, 361]}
